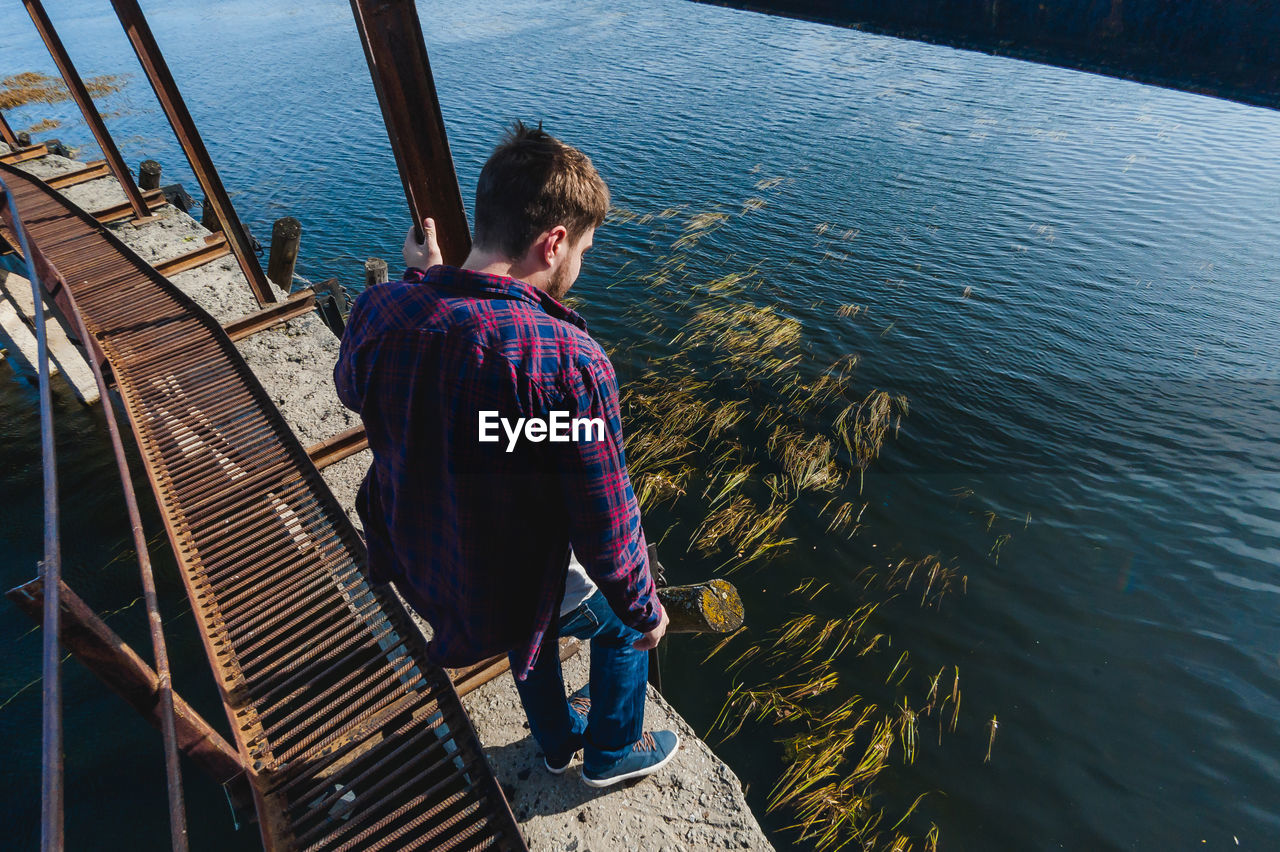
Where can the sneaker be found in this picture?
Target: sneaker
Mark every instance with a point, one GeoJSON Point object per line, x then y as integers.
{"type": "Point", "coordinates": [581, 705]}
{"type": "Point", "coordinates": [652, 752]}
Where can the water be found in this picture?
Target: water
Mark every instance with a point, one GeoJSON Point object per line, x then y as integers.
{"type": "Point", "coordinates": [1107, 389]}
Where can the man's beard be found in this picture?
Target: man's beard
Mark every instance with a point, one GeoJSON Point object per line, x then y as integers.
{"type": "Point", "coordinates": [559, 285]}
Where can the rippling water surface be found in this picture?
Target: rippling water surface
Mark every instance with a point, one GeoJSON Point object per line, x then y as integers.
{"type": "Point", "coordinates": [1072, 278]}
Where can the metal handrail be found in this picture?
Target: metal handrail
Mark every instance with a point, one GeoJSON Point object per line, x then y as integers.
{"type": "Point", "coordinates": [50, 567]}
{"type": "Point", "coordinates": [53, 804]}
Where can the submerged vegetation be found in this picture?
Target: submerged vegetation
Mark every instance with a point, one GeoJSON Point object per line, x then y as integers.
{"type": "Point", "coordinates": [739, 436]}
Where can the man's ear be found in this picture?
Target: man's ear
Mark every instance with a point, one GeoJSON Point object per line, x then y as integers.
{"type": "Point", "coordinates": [556, 241]}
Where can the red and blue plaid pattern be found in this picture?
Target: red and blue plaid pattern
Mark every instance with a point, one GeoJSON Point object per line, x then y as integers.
{"type": "Point", "coordinates": [475, 537]}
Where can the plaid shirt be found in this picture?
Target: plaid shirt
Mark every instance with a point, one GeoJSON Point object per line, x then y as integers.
{"type": "Point", "coordinates": [476, 537]}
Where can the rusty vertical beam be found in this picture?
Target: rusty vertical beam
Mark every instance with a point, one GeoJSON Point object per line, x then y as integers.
{"type": "Point", "coordinates": [90, 112]}
{"type": "Point", "coordinates": [51, 823]}
{"type": "Point", "coordinates": [397, 57]}
{"type": "Point", "coordinates": [157, 71]}
{"type": "Point", "coordinates": [94, 644]}
{"type": "Point", "coordinates": [6, 133]}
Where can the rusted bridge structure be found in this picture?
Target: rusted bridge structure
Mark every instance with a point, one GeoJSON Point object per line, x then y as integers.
{"type": "Point", "coordinates": [344, 735]}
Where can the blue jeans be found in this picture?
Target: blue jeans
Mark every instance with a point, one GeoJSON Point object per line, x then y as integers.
{"type": "Point", "coordinates": [619, 677]}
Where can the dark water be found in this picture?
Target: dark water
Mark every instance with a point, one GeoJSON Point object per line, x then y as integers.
{"type": "Point", "coordinates": [1108, 388]}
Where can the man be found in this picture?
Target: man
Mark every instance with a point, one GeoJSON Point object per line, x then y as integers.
{"type": "Point", "coordinates": [474, 522]}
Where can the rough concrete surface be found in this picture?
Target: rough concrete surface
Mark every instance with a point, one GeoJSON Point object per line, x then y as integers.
{"type": "Point", "coordinates": [51, 165]}
{"type": "Point", "coordinates": [170, 234]}
{"type": "Point", "coordinates": [696, 804]}
{"type": "Point", "coordinates": [295, 364]}
{"type": "Point", "coordinates": [17, 334]}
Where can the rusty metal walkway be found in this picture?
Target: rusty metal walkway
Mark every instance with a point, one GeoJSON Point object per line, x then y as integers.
{"type": "Point", "coordinates": [351, 740]}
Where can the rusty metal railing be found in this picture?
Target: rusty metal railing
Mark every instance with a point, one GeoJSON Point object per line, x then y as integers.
{"type": "Point", "coordinates": [177, 811]}
{"type": "Point", "coordinates": [50, 567]}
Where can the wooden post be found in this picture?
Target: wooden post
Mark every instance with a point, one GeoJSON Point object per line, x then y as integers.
{"type": "Point", "coordinates": [149, 175]}
{"type": "Point", "coordinates": [105, 654]}
{"type": "Point", "coordinates": [375, 272]}
{"type": "Point", "coordinates": [88, 109]}
{"type": "Point", "coordinates": [285, 235]}
{"type": "Point", "coordinates": [710, 607]}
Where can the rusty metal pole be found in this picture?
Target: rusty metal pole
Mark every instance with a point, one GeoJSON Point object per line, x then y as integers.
{"type": "Point", "coordinates": [90, 112]}
{"type": "Point", "coordinates": [392, 38]}
{"type": "Point", "coordinates": [157, 71]}
{"type": "Point", "coordinates": [94, 644]}
{"type": "Point", "coordinates": [6, 133]}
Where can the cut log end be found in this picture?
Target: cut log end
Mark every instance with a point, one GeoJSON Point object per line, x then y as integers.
{"type": "Point", "coordinates": [711, 607]}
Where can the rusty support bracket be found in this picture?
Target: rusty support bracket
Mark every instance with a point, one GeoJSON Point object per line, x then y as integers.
{"type": "Point", "coordinates": [340, 446]}
{"type": "Point", "coordinates": [153, 198]}
{"type": "Point", "coordinates": [92, 171]}
{"type": "Point", "coordinates": [295, 306]}
{"type": "Point", "coordinates": [90, 112]}
{"type": "Point", "coordinates": [184, 127]}
{"type": "Point", "coordinates": [21, 155]}
{"type": "Point", "coordinates": [7, 136]}
{"type": "Point", "coordinates": [393, 46]}
{"type": "Point", "coordinates": [116, 664]}
{"type": "Point", "coordinates": [214, 248]}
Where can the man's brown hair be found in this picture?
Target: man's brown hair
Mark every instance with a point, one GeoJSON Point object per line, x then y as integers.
{"type": "Point", "coordinates": [531, 183]}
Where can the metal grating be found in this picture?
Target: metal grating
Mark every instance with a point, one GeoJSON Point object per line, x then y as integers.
{"type": "Point", "coordinates": [352, 740]}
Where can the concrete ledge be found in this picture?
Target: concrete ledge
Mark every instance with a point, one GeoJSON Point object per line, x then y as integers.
{"type": "Point", "coordinates": [694, 803]}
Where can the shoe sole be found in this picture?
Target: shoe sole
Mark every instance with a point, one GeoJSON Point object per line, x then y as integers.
{"type": "Point", "coordinates": [562, 770]}
{"type": "Point", "coordinates": [639, 773]}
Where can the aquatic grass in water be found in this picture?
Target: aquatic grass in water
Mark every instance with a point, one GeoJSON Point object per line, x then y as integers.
{"type": "Point", "coordinates": [737, 426]}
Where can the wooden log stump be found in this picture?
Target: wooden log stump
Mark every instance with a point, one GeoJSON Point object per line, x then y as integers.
{"type": "Point", "coordinates": [148, 175]}
{"type": "Point", "coordinates": [711, 607]}
{"type": "Point", "coordinates": [375, 272]}
{"type": "Point", "coordinates": [286, 233]}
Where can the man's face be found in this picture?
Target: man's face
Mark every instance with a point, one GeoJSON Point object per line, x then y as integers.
{"type": "Point", "coordinates": [563, 276]}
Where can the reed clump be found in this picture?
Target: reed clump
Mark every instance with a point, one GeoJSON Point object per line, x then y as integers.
{"type": "Point", "coordinates": [43, 125]}
{"type": "Point", "coordinates": [739, 435]}
{"type": "Point", "coordinates": [837, 747]}
{"type": "Point", "coordinates": [31, 87]}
